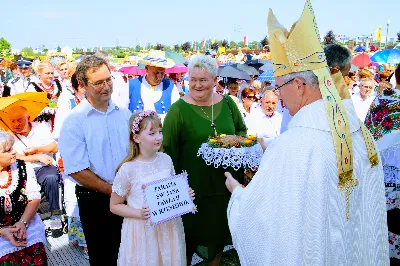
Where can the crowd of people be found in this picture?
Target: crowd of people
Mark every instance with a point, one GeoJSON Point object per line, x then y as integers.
{"type": "Point", "coordinates": [331, 155]}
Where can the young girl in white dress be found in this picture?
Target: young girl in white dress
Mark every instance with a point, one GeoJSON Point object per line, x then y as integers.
{"type": "Point", "coordinates": [140, 245]}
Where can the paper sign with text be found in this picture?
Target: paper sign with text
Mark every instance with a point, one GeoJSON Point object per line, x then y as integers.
{"type": "Point", "coordinates": [168, 198]}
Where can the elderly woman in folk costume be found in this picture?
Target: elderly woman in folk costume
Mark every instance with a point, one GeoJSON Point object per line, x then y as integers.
{"type": "Point", "coordinates": [317, 198]}
{"type": "Point", "coordinates": [153, 91]}
{"type": "Point", "coordinates": [48, 84]}
{"type": "Point", "coordinates": [383, 121]}
{"type": "Point", "coordinates": [22, 236]}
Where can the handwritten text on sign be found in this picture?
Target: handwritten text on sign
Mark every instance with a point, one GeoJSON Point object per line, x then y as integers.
{"type": "Point", "coordinates": [168, 198]}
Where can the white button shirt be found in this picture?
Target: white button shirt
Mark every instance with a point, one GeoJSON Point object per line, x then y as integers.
{"type": "Point", "coordinates": [263, 126]}
{"type": "Point", "coordinates": [362, 106]}
{"type": "Point", "coordinates": [91, 139]}
{"type": "Point", "coordinates": [40, 135]}
{"type": "Point", "coordinates": [149, 97]}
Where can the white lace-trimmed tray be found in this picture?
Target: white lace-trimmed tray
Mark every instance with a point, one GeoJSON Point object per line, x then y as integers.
{"type": "Point", "coordinates": [247, 157]}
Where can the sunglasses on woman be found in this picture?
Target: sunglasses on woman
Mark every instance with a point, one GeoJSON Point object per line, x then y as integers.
{"type": "Point", "coordinates": [251, 97]}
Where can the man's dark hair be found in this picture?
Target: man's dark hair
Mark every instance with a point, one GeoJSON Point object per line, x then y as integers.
{"type": "Point", "coordinates": [89, 64]}
{"type": "Point", "coordinates": [337, 56]}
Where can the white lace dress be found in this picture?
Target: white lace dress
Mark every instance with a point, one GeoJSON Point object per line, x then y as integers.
{"type": "Point", "coordinates": [140, 245]}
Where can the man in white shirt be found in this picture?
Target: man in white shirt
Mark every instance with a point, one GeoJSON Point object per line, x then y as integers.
{"type": "Point", "coordinates": [265, 122]}
{"type": "Point", "coordinates": [153, 91]}
{"type": "Point", "coordinates": [363, 99]}
{"type": "Point", "coordinates": [93, 141]}
{"type": "Point", "coordinates": [35, 144]}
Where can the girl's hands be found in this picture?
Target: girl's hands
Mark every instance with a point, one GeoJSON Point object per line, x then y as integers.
{"type": "Point", "coordinates": [191, 193]}
{"type": "Point", "coordinates": [145, 213]}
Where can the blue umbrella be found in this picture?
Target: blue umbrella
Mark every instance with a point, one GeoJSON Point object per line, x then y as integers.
{"type": "Point", "coordinates": [267, 76]}
{"type": "Point", "coordinates": [387, 56]}
{"type": "Point", "coordinates": [360, 49]}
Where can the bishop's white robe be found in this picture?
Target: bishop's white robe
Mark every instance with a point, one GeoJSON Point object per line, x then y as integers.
{"type": "Point", "coordinates": [292, 214]}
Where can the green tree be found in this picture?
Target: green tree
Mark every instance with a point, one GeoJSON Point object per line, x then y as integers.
{"type": "Point", "coordinates": [186, 46]}
{"type": "Point", "coordinates": [58, 48]}
{"type": "Point", "coordinates": [224, 43]}
{"type": "Point", "coordinates": [398, 36]}
{"type": "Point", "coordinates": [138, 48]}
{"type": "Point", "coordinates": [214, 46]}
{"type": "Point", "coordinates": [160, 46]}
{"type": "Point", "coordinates": [330, 38]}
{"type": "Point", "coordinates": [233, 44]}
{"type": "Point", "coordinates": [27, 52]}
{"type": "Point", "coordinates": [264, 42]}
{"type": "Point", "coordinates": [253, 44]}
{"type": "Point", "coordinates": [177, 48]}
{"type": "Point", "coordinates": [241, 44]}
{"type": "Point", "coordinates": [5, 47]}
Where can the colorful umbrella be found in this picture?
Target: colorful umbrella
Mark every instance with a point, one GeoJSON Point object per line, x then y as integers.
{"type": "Point", "coordinates": [177, 69]}
{"type": "Point", "coordinates": [361, 60]}
{"type": "Point", "coordinates": [267, 66]}
{"type": "Point", "coordinates": [132, 70]}
{"type": "Point", "coordinates": [387, 56]}
{"type": "Point", "coordinates": [360, 49]}
{"type": "Point", "coordinates": [248, 69]}
{"type": "Point", "coordinates": [267, 76]}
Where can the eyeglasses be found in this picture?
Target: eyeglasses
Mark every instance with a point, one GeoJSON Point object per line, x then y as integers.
{"type": "Point", "coordinates": [276, 90]}
{"type": "Point", "coordinates": [101, 83]}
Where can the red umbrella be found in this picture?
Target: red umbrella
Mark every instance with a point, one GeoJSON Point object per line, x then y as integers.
{"type": "Point", "coordinates": [132, 70]}
{"type": "Point", "coordinates": [362, 60]}
{"type": "Point", "coordinates": [177, 69]}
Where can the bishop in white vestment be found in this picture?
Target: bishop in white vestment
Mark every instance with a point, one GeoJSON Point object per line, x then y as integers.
{"type": "Point", "coordinates": [318, 197]}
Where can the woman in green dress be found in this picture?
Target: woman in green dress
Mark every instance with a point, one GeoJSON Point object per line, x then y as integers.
{"type": "Point", "coordinates": [190, 121]}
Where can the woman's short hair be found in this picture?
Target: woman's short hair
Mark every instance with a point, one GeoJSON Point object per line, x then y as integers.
{"type": "Point", "coordinates": [246, 92]}
{"type": "Point", "coordinates": [384, 75]}
{"type": "Point", "coordinates": [397, 74]}
{"type": "Point", "coordinates": [13, 66]}
{"type": "Point", "coordinates": [204, 62]}
{"type": "Point", "coordinates": [6, 141]}
{"type": "Point", "coordinates": [364, 73]}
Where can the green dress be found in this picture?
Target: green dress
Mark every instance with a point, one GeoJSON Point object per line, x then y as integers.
{"type": "Point", "coordinates": [185, 128]}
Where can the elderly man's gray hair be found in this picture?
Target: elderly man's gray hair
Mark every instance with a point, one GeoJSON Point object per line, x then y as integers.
{"type": "Point", "coordinates": [89, 63]}
{"type": "Point", "coordinates": [337, 56]}
{"type": "Point", "coordinates": [307, 76]}
{"type": "Point", "coordinates": [204, 62]}
{"type": "Point", "coordinates": [6, 141]}
{"type": "Point", "coordinates": [103, 55]}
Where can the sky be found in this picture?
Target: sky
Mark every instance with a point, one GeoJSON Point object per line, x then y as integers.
{"type": "Point", "coordinates": [88, 23]}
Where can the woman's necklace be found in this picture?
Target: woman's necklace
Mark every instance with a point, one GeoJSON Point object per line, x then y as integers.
{"type": "Point", "coordinates": [212, 114]}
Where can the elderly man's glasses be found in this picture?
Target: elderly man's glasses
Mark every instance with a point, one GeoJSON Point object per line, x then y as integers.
{"type": "Point", "coordinates": [101, 83]}
{"type": "Point", "coordinates": [276, 90]}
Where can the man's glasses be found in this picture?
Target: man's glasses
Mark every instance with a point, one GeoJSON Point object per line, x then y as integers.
{"type": "Point", "coordinates": [101, 83]}
{"type": "Point", "coordinates": [276, 90]}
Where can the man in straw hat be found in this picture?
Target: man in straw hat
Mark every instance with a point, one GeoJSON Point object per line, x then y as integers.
{"type": "Point", "coordinates": [153, 91]}
{"type": "Point", "coordinates": [318, 196]}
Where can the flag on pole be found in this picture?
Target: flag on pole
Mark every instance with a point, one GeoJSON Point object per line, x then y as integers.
{"type": "Point", "coordinates": [245, 41]}
{"type": "Point", "coordinates": [203, 44]}
{"type": "Point", "coordinates": [378, 36]}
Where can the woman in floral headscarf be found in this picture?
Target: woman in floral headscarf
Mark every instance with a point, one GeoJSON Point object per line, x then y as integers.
{"type": "Point", "coordinates": [383, 121]}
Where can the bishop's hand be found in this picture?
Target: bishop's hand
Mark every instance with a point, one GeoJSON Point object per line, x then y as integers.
{"type": "Point", "coordinates": [231, 183]}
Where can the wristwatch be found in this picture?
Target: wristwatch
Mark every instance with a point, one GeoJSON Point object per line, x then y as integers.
{"type": "Point", "coordinates": [24, 222]}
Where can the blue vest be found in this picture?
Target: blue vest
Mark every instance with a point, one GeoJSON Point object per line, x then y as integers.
{"type": "Point", "coordinates": [135, 98]}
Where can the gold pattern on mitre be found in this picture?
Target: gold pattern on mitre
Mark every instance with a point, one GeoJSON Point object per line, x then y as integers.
{"type": "Point", "coordinates": [300, 50]}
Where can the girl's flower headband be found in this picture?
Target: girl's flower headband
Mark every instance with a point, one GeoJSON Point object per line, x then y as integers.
{"type": "Point", "coordinates": [139, 118]}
